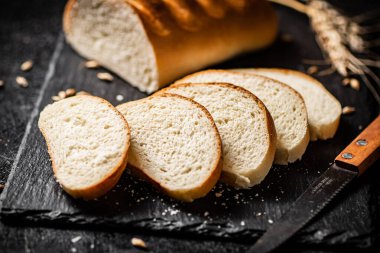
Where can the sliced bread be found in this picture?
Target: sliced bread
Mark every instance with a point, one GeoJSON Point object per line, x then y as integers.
{"type": "Point", "coordinates": [174, 144]}
{"type": "Point", "coordinates": [284, 104]}
{"type": "Point", "coordinates": [88, 141]}
{"type": "Point", "coordinates": [323, 109]}
{"type": "Point", "coordinates": [245, 126]}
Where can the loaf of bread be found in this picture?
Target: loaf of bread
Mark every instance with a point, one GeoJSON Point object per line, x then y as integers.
{"type": "Point", "coordinates": [245, 126]}
{"type": "Point", "coordinates": [284, 104]}
{"type": "Point", "coordinates": [323, 109]}
{"type": "Point", "coordinates": [174, 144]}
{"type": "Point", "coordinates": [151, 43]}
{"type": "Point", "coordinates": [88, 141]}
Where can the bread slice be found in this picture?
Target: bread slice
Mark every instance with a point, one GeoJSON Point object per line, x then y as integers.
{"type": "Point", "coordinates": [245, 126]}
{"type": "Point", "coordinates": [284, 104]}
{"type": "Point", "coordinates": [88, 141]}
{"type": "Point", "coordinates": [175, 144]}
{"type": "Point", "coordinates": [323, 109]}
{"type": "Point", "coordinates": [142, 40]}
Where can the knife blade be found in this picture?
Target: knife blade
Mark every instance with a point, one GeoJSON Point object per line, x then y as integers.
{"type": "Point", "coordinates": [350, 163]}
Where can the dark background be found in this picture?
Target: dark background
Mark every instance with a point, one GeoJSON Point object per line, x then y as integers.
{"type": "Point", "coordinates": [29, 30]}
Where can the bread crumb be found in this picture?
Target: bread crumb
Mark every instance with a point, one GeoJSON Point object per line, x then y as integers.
{"type": "Point", "coordinates": [104, 76]}
{"type": "Point", "coordinates": [83, 93]}
{"type": "Point", "coordinates": [76, 239]}
{"type": "Point", "coordinates": [270, 221]}
{"type": "Point", "coordinates": [218, 194]}
{"type": "Point", "coordinates": [27, 65]}
{"type": "Point", "coordinates": [137, 242]}
{"type": "Point", "coordinates": [62, 94]}
{"type": "Point", "coordinates": [55, 98]}
{"type": "Point", "coordinates": [354, 83]}
{"type": "Point", "coordinates": [346, 81]}
{"type": "Point", "coordinates": [242, 223]}
{"type": "Point", "coordinates": [22, 82]}
{"type": "Point", "coordinates": [206, 214]}
{"type": "Point", "coordinates": [119, 97]}
{"type": "Point", "coordinates": [91, 64]}
{"type": "Point", "coordinates": [70, 92]}
{"type": "Point", "coordinates": [348, 110]}
{"type": "Point", "coordinates": [73, 249]}
{"type": "Point", "coordinates": [312, 70]}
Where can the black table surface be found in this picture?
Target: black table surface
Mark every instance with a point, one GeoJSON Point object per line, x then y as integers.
{"type": "Point", "coordinates": [30, 30]}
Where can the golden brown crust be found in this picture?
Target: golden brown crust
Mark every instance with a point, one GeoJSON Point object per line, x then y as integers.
{"type": "Point", "coordinates": [98, 189]}
{"type": "Point", "coordinates": [180, 31]}
{"type": "Point", "coordinates": [201, 190]}
{"type": "Point", "coordinates": [67, 16]}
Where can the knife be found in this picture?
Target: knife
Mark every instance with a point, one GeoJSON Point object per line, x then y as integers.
{"type": "Point", "coordinates": [353, 161]}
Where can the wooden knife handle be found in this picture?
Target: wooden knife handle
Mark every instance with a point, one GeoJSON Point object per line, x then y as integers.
{"type": "Point", "coordinates": [363, 151]}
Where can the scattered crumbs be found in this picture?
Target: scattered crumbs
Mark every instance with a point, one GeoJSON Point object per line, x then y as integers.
{"type": "Point", "coordinates": [360, 127]}
{"type": "Point", "coordinates": [348, 110]}
{"type": "Point", "coordinates": [312, 70]}
{"type": "Point", "coordinates": [119, 97]}
{"type": "Point", "coordinates": [91, 64]}
{"type": "Point", "coordinates": [104, 76]}
{"type": "Point", "coordinates": [270, 221]}
{"type": "Point", "coordinates": [286, 37]}
{"type": "Point", "coordinates": [117, 203]}
{"type": "Point", "coordinates": [27, 65]}
{"type": "Point", "coordinates": [282, 192]}
{"type": "Point", "coordinates": [189, 214]}
{"type": "Point", "coordinates": [223, 204]}
{"type": "Point", "coordinates": [76, 239]}
{"type": "Point", "coordinates": [206, 214]}
{"type": "Point", "coordinates": [137, 242]}
{"type": "Point", "coordinates": [92, 246]}
{"type": "Point", "coordinates": [73, 249]}
{"type": "Point", "coordinates": [173, 212]}
{"type": "Point", "coordinates": [242, 223]}
{"type": "Point", "coordinates": [256, 195]}
{"type": "Point", "coordinates": [22, 82]}
{"type": "Point", "coordinates": [218, 194]}
{"type": "Point", "coordinates": [2, 83]}
{"type": "Point", "coordinates": [318, 172]}
{"type": "Point", "coordinates": [258, 214]}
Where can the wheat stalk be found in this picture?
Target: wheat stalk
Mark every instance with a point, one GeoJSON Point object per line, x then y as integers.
{"type": "Point", "coordinates": [338, 37]}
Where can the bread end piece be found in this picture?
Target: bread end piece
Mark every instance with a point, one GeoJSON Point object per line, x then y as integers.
{"type": "Point", "coordinates": [105, 184]}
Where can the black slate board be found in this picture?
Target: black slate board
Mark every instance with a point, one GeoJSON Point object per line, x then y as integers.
{"type": "Point", "coordinates": [33, 195]}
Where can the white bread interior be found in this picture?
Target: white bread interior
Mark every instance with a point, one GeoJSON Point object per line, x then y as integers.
{"type": "Point", "coordinates": [284, 104]}
{"type": "Point", "coordinates": [323, 109]}
{"type": "Point", "coordinates": [88, 141]}
{"type": "Point", "coordinates": [151, 43]}
{"type": "Point", "coordinates": [245, 126]}
{"type": "Point", "coordinates": [174, 144]}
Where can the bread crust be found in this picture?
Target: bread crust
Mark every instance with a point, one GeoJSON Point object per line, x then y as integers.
{"type": "Point", "coordinates": [232, 178]}
{"type": "Point", "coordinates": [183, 30]}
{"type": "Point", "coordinates": [297, 151]}
{"type": "Point", "coordinates": [107, 183]}
{"type": "Point", "coordinates": [200, 191]}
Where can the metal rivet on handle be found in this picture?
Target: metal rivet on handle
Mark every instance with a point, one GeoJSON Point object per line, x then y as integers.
{"type": "Point", "coordinates": [361, 142]}
{"type": "Point", "coordinates": [347, 155]}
